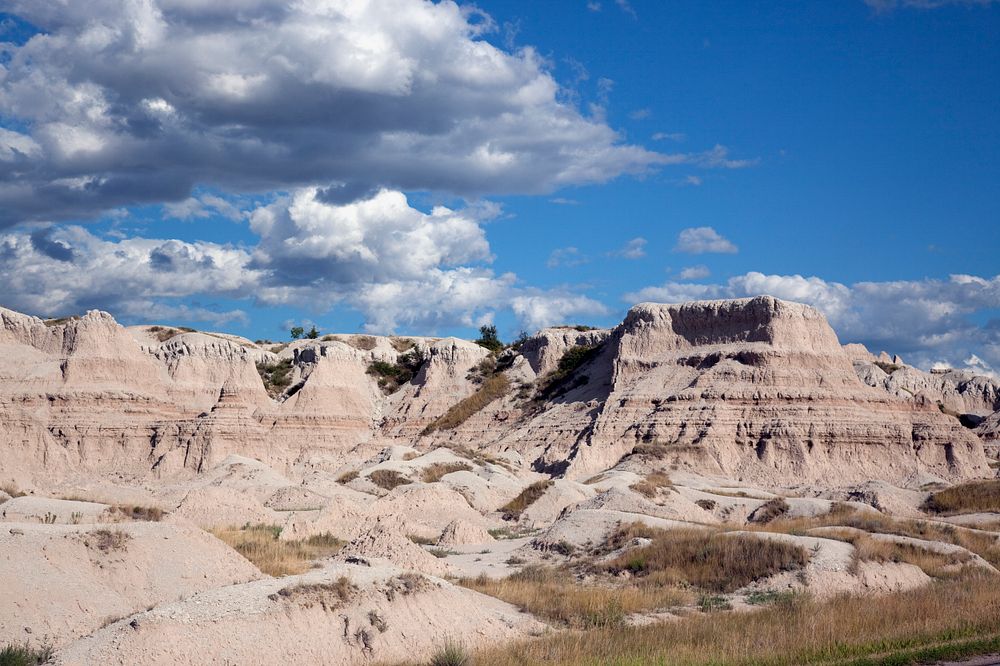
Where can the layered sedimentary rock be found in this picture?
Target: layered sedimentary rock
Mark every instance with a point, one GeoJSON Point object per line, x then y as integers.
{"type": "Point", "coordinates": [754, 388]}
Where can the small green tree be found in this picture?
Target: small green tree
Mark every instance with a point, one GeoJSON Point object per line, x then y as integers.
{"type": "Point", "coordinates": [313, 333]}
{"type": "Point", "coordinates": [489, 339]}
{"type": "Point", "coordinates": [297, 332]}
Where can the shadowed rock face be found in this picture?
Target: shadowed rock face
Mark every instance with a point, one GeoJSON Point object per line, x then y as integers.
{"type": "Point", "coordinates": [755, 388]}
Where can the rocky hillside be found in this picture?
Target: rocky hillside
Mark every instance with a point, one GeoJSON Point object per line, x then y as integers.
{"type": "Point", "coordinates": [754, 389]}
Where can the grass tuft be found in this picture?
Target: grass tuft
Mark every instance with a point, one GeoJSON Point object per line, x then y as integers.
{"type": "Point", "coordinates": [260, 544]}
{"type": "Point", "coordinates": [388, 478]}
{"type": "Point", "coordinates": [434, 472]}
{"type": "Point", "coordinates": [652, 484]}
{"type": "Point", "coordinates": [24, 655]}
{"type": "Point", "coordinates": [513, 509]}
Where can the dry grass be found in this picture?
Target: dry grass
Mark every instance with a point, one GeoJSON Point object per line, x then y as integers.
{"type": "Point", "coordinates": [981, 543]}
{"type": "Point", "coordinates": [434, 472]}
{"type": "Point", "coordinates": [143, 513]}
{"type": "Point", "coordinates": [966, 498]}
{"type": "Point", "coordinates": [12, 490]}
{"type": "Point", "coordinates": [949, 615]}
{"type": "Point", "coordinates": [491, 389]}
{"type": "Point", "coordinates": [329, 596]}
{"type": "Point", "coordinates": [652, 484]}
{"type": "Point", "coordinates": [402, 344]}
{"type": "Point", "coordinates": [107, 541]}
{"type": "Point", "coordinates": [479, 457]}
{"type": "Point", "coordinates": [711, 561]}
{"type": "Point", "coordinates": [554, 595]}
{"type": "Point", "coordinates": [769, 511]}
{"type": "Point", "coordinates": [513, 509]}
{"type": "Point", "coordinates": [348, 476]}
{"type": "Point", "coordinates": [260, 545]}
{"type": "Point", "coordinates": [388, 478]}
{"type": "Point", "coordinates": [936, 565]}
{"type": "Point", "coordinates": [362, 342]}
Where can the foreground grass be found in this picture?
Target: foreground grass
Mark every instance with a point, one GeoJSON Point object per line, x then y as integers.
{"type": "Point", "coordinates": [712, 562]}
{"type": "Point", "coordinates": [260, 545]}
{"type": "Point", "coordinates": [946, 619]}
{"type": "Point", "coordinates": [24, 655]}
{"type": "Point", "coordinates": [555, 595]}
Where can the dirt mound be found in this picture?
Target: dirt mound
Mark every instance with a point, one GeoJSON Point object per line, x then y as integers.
{"type": "Point", "coordinates": [220, 507]}
{"type": "Point", "coordinates": [461, 533]}
{"type": "Point", "coordinates": [65, 581]}
{"type": "Point", "coordinates": [386, 541]}
{"type": "Point", "coordinates": [342, 614]}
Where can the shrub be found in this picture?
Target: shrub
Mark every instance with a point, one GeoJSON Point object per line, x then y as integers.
{"type": "Point", "coordinates": [107, 541]}
{"type": "Point", "coordinates": [261, 545]}
{"type": "Point", "coordinates": [24, 655]}
{"type": "Point", "coordinates": [450, 654]}
{"type": "Point", "coordinates": [434, 472]}
{"type": "Point", "coordinates": [513, 509]}
{"type": "Point", "coordinates": [706, 504]}
{"type": "Point", "coordinates": [714, 562]}
{"type": "Point", "coordinates": [967, 497]}
{"type": "Point", "coordinates": [489, 339]}
{"type": "Point", "coordinates": [363, 342]}
{"type": "Point", "coordinates": [276, 376]}
{"type": "Point", "coordinates": [12, 490]}
{"type": "Point", "coordinates": [559, 381]}
{"type": "Point", "coordinates": [769, 510]}
{"type": "Point", "coordinates": [492, 388]}
{"type": "Point", "coordinates": [391, 376]}
{"type": "Point", "coordinates": [388, 478]}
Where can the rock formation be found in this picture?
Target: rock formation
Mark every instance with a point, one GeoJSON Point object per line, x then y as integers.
{"type": "Point", "coordinates": [754, 388]}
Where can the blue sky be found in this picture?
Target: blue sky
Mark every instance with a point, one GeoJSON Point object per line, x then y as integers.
{"type": "Point", "coordinates": [166, 164]}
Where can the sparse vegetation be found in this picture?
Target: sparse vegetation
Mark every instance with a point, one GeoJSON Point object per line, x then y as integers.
{"type": "Point", "coordinates": [492, 388]}
{"type": "Point", "coordinates": [261, 545]}
{"type": "Point", "coordinates": [563, 379]}
{"type": "Point", "coordinates": [770, 510]}
{"type": "Point", "coordinates": [24, 655]}
{"type": "Point", "coordinates": [421, 540]}
{"type": "Point", "coordinates": [652, 484]}
{"type": "Point", "coordinates": [402, 344]}
{"type": "Point", "coordinates": [12, 489]}
{"type": "Point", "coordinates": [706, 504]}
{"type": "Point", "coordinates": [434, 472]}
{"type": "Point", "coordinates": [59, 321]}
{"type": "Point", "coordinates": [489, 339]}
{"type": "Point", "coordinates": [391, 376]}
{"type": "Point", "coordinates": [653, 450]}
{"type": "Point", "coordinates": [106, 541]}
{"type": "Point", "coordinates": [712, 561]}
{"type": "Point", "coordinates": [842, 515]}
{"type": "Point", "coordinates": [276, 376]}
{"type": "Point", "coordinates": [348, 476]}
{"type": "Point", "coordinates": [388, 478]}
{"type": "Point", "coordinates": [555, 594]}
{"type": "Point", "coordinates": [886, 367]}
{"type": "Point", "coordinates": [934, 564]}
{"type": "Point", "coordinates": [329, 596]}
{"type": "Point", "coordinates": [966, 498]}
{"type": "Point", "coordinates": [945, 620]}
{"type": "Point", "coordinates": [513, 509]}
{"type": "Point", "coordinates": [450, 654]}
{"type": "Point", "coordinates": [145, 513]}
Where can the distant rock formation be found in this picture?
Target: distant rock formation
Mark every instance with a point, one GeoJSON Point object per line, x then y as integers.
{"type": "Point", "coordinates": [758, 389]}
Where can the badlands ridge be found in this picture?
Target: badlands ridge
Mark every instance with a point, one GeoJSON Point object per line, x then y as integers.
{"type": "Point", "coordinates": [430, 461]}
